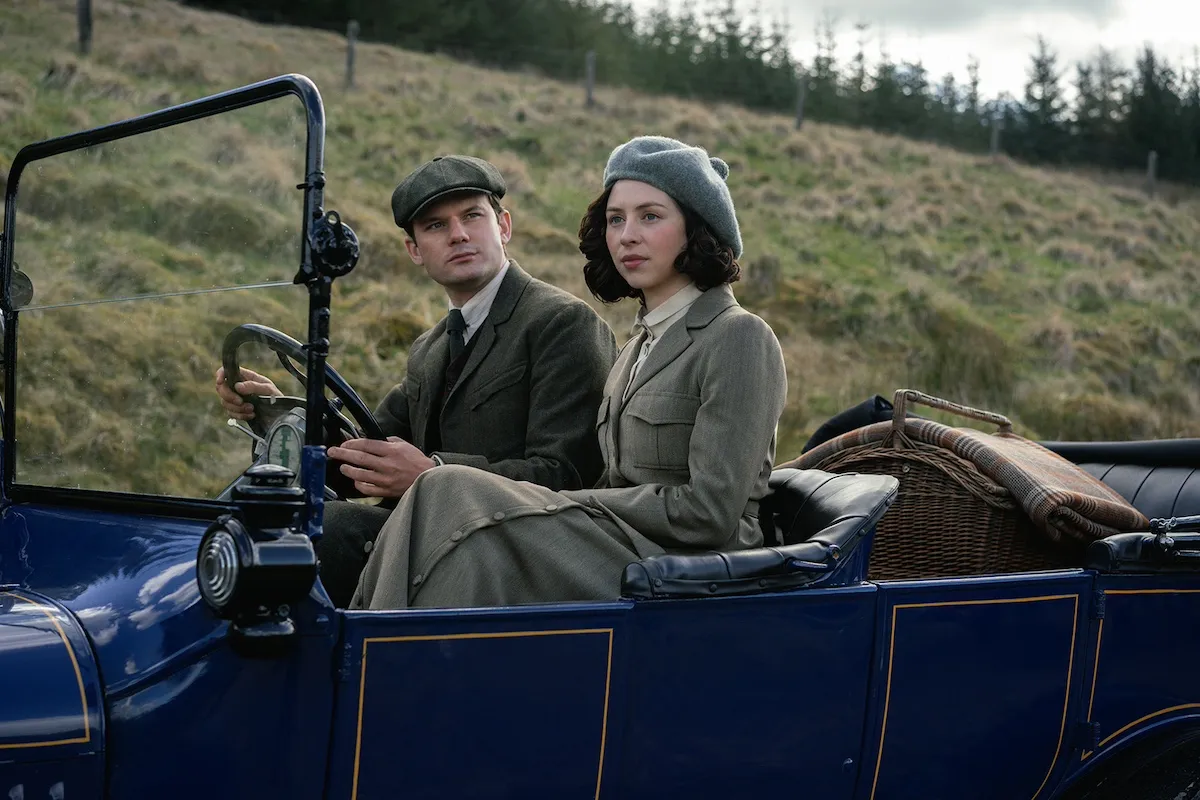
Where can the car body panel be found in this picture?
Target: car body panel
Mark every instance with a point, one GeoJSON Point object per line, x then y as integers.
{"type": "Point", "coordinates": [51, 718]}
{"type": "Point", "coordinates": [129, 579]}
{"type": "Point", "coordinates": [607, 700]}
{"type": "Point", "coordinates": [970, 668]}
{"type": "Point", "coordinates": [730, 696]}
{"type": "Point", "coordinates": [175, 688]}
{"type": "Point", "coordinates": [478, 704]}
{"type": "Point", "coordinates": [1143, 667]}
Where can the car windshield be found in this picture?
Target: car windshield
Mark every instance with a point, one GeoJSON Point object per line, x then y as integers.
{"type": "Point", "coordinates": [143, 253]}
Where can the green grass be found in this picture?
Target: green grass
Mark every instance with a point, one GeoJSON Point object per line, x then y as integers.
{"type": "Point", "coordinates": [1065, 301]}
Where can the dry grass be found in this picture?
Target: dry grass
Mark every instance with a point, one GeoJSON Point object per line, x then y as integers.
{"type": "Point", "coordinates": [1064, 300]}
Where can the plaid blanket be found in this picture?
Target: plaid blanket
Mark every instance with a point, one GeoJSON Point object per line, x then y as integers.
{"type": "Point", "coordinates": [1060, 498]}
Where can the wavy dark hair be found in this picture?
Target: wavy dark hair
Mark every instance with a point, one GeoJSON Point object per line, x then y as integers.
{"type": "Point", "coordinates": [704, 259]}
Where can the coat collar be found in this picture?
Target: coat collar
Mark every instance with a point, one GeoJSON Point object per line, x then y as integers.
{"type": "Point", "coordinates": [678, 337]}
{"type": "Point", "coordinates": [710, 305]}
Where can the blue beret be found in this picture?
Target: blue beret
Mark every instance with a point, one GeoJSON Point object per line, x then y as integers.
{"type": "Point", "coordinates": [684, 172]}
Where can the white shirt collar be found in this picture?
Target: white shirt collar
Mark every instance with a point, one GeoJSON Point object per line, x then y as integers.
{"type": "Point", "coordinates": [657, 321]}
{"type": "Point", "coordinates": [476, 309]}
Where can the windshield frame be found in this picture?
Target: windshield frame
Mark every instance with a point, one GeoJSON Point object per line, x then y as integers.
{"type": "Point", "coordinates": [313, 463]}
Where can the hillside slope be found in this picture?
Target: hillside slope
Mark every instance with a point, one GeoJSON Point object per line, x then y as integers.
{"type": "Point", "coordinates": [1067, 304]}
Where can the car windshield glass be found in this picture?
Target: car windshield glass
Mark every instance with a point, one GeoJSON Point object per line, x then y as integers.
{"type": "Point", "coordinates": [143, 253]}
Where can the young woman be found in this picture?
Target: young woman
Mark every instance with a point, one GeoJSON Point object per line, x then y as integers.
{"type": "Point", "coordinates": [687, 423]}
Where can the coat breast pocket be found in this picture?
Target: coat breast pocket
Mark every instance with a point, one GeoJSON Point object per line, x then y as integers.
{"type": "Point", "coordinates": [657, 431]}
{"type": "Point", "coordinates": [504, 385]}
{"type": "Point", "coordinates": [499, 408]}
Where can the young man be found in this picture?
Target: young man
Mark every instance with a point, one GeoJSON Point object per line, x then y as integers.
{"type": "Point", "coordinates": [509, 382]}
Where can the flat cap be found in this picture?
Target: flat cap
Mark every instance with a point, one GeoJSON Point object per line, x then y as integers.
{"type": "Point", "coordinates": [441, 176]}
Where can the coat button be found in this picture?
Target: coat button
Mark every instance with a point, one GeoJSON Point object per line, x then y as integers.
{"type": "Point", "coordinates": [552, 507]}
{"type": "Point", "coordinates": [417, 580]}
{"type": "Point", "coordinates": [499, 515]}
{"type": "Point", "coordinates": [456, 536]}
{"type": "Point", "coordinates": [368, 547]}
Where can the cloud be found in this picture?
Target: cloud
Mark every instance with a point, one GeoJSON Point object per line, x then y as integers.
{"type": "Point", "coordinates": [932, 16]}
{"type": "Point", "coordinates": [923, 16]}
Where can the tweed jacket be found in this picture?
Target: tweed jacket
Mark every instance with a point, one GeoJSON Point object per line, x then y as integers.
{"type": "Point", "coordinates": [525, 402]}
{"type": "Point", "coordinates": [689, 452]}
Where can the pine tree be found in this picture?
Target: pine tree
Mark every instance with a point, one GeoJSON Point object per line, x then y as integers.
{"type": "Point", "coordinates": [1153, 118]}
{"type": "Point", "coordinates": [857, 86]}
{"type": "Point", "coordinates": [915, 103]}
{"type": "Point", "coordinates": [947, 117]}
{"type": "Point", "coordinates": [1085, 116]}
{"type": "Point", "coordinates": [971, 100]}
{"type": "Point", "coordinates": [1190, 123]}
{"type": "Point", "coordinates": [1043, 130]}
{"type": "Point", "coordinates": [886, 100]}
{"type": "Point", "coordinates": [822, 102]}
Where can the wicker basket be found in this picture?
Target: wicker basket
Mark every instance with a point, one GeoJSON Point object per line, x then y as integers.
{"type": "Point", "coordinates": [949, 519]}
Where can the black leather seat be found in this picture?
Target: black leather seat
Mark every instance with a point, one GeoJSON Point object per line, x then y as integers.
{"type": "Point", "coordinates": [1149, 452]}
{"type": "Point", "coordinates": [1160, 478]}
{"type": "Point", "coordinates": [1158, 492]}
{"type": "Point", "coordinates": [817, 528]}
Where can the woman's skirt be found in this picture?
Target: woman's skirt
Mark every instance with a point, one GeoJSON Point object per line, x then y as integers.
{"type": "Point", "coordinates": [463, 537]}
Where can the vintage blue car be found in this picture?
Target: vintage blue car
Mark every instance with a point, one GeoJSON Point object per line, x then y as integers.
{"type": "Point", "coordinates": [163, 632]}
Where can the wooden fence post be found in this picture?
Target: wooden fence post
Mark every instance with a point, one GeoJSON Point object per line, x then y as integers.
{"type": "Point", "coordinates": [351, 39]}
{"type": "Point", "coordinates": [801, 94]}
{"type": "Point", "coordinates": [1151, 173]}
{"type": "Point", "coordinates": [590, 73]}
{"type": "Point", "coordinates": [997, 127]}
{"type": "Point", "coordinates": [83, 9]}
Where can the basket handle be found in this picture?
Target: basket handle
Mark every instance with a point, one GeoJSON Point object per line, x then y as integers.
{"type": "Point", "coordinates": [904, 396]}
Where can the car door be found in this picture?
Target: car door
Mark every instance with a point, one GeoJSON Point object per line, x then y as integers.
{"type": "Point", "coordinates": [977, 688]}
{"type": "Point", "coordinates": [708, 698]}
{"type": "Point", "coordinates": [516, 702]}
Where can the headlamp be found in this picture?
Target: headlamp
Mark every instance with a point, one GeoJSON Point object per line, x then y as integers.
{"type": "Point", "coordinates": [251, 564]}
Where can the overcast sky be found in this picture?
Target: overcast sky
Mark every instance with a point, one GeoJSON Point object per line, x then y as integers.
{"type": "Point", "coordinates": [1001, 33]}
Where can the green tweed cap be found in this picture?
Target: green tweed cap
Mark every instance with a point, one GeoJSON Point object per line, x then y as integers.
{"type": "Point", "coordinates": [441, 176]}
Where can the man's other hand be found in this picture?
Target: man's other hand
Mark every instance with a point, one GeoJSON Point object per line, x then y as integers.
{"type": "Point", "coordinates": [251, 384]}
{"type": "Point", "coordinates": [378, 468]}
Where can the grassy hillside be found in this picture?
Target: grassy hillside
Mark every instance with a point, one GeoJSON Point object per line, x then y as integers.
{"type": "Point", "coordinates": [1066, 302]}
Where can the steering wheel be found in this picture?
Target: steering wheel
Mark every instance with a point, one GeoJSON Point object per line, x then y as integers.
{"type": "Point", "coordinates": [360, 424]}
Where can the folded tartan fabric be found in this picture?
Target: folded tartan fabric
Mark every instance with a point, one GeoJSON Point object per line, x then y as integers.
{"type": "Point", "coordinates": [1061, 499]}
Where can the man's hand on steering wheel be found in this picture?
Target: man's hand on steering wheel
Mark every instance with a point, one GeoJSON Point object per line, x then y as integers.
{"type": "Point", "coordinates": [380, 468]}
{"type": "Point", "coordinates": [251, 384]}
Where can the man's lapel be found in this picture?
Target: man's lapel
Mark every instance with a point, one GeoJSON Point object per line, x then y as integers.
{"type": "Point", "coordinates": [510, 291]}
{"type": "Point", "coordinates": [433, 377]}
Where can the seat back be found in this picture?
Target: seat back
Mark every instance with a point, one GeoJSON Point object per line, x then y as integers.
{"type": "Point", "coordinates": [1158, 477]}
{"type": "Point", "coordinates": [1158, 492]}
{"type": "Point", "coordinates": [814, 505]}
{"type": "Point", "coordinates": [817, 527]}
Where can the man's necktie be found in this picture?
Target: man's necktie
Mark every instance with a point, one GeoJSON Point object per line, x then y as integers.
{"type": "Point", "coordinates": [456, 327]}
